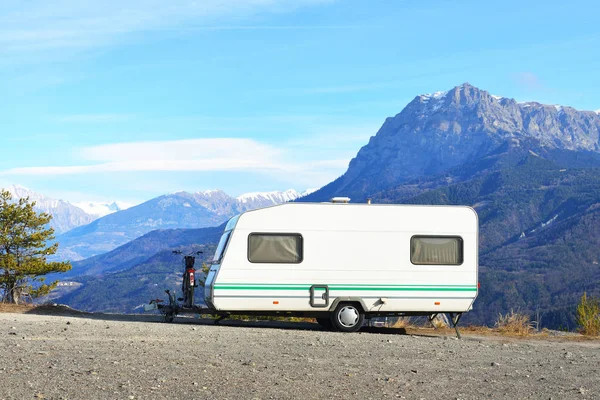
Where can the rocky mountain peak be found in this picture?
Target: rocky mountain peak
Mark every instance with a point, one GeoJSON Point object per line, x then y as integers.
{"type": "Point", "coordinates": [445, 129]}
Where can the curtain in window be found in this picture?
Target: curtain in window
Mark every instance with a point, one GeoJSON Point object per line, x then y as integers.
{"type": "Point", "coordinates": [438, 251]}
{"type": "Point", "coordinates": [275, 248]}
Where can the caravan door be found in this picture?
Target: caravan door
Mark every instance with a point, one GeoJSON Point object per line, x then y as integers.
{"type": "Point", "coordinates": [319, 296]}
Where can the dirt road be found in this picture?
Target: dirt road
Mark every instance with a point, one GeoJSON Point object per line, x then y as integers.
{"type": "Point", "coordinates": [116, 357]}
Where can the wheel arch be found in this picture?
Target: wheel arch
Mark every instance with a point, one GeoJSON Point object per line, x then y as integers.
{"type": "Point", "coordinates": [348, 299]}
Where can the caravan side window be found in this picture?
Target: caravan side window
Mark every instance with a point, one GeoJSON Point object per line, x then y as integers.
{"type": "Point", "coordinates": [285, 248]}
{"type": "Point", "coordinates": [436, 250]}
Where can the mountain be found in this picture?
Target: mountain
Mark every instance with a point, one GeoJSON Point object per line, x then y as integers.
{"type": "Point", "coordinates": [65, 216]}
{"type": "Point", "coordinates": [436, 132]}
{"type": "Point", "coordinates": [98, 209]}
{"type": "Point", "coordinates": [531, 171]}
{"type": "Point", "coordinates": [171, 211]}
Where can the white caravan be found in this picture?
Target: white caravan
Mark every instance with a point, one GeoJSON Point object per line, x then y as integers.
{"type": "Point", "coordinates": [341, 263]}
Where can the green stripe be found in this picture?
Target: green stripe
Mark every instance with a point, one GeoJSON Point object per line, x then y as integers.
{"type": "Point", "coordinates": [307, 285]}
{"type": "Point", "coordinates": [441, 288]}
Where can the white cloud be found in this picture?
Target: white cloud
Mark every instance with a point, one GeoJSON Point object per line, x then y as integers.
{"type": "Point", "coordinates": [49, 25]}
{"type": "Point", "coordinates": [199, 155]}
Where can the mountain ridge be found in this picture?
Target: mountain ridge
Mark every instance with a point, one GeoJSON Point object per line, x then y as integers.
{"type": "Point", "coordinates": [170, 211]}
{"type": "Point", "coordinates": [65, 216]}
{"type": "Point", "coordinates": [447, 129]}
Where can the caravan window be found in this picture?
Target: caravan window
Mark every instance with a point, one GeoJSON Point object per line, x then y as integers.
{"type": "Point", "coordinates": [436, 250]}
{"type": "Point", "coordinates": [283, 248]}
{"type": "Point", "coordinates": [221, 247]}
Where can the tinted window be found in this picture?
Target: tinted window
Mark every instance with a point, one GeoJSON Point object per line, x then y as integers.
{"type": "Point", "coordinates": [275, 248]}
{"type": "Point", "coordinates": [221, 247]}
{"type": "Point", "coordinates": [436, 250]}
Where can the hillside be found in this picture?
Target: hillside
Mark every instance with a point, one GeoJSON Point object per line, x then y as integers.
{"type": "Point", "coordinates": [539, 229]}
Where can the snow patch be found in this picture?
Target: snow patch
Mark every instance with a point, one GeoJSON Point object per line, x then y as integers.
{"type": "Point", "coordinates": [100, 209]}
{"type": "Point", "coordinates": [533, 153]}
{"type": "Point", "coordinates": [597, 111]}
{"type": "Point", "coordinates": [428, 96]}
{"type": "Point", "coordinates": [497, 97]}
{"type": "Point", "coordinates": [551, 220]}
{"type": "Point", "coordinates": [210, 192]}
{"type": "Point", "coordinates": [275, 197]}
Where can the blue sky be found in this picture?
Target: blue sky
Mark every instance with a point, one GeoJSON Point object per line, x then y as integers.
{"type": "Point", "coordinates": [100, 102]}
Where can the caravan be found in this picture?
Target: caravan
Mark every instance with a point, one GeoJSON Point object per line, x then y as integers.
{"type": "Point", "coordinates": [341, 263]}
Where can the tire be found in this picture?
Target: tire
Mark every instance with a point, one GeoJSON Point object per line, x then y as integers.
{"type": "Point", "coordinates": [169, 317]}
{"type": "Point", "coordinates": [325, 323]}
{"type": "Point", "coordinates": [347, 317]}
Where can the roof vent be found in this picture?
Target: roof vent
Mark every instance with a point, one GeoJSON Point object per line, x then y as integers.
{"type": "Point", "coordinates": [340, 200]}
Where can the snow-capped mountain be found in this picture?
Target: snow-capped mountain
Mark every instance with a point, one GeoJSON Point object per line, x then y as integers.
{"type": "Point", "coordinates": [65, 216]}
{"type": "Point", "coordinates": [99, 209]}
{"type": "Point", "coordinates": [264, 199]}
{"type": "Point", "coordinates": [171, 211]}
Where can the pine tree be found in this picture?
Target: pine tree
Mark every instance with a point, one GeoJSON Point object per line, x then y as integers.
{"type": "Point", "coordinates": [24, 248]}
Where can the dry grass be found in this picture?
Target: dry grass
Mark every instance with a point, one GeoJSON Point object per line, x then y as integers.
{"type": "Point", "coordinates": [514, 323]}
{"type": "Point", "coordinates": [402, 322]}
{"type": "Point", "coordinates": [15, 308]}
{"type": "Point", "coordinates": [440, 321]}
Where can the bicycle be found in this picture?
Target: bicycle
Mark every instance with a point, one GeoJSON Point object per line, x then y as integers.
{"type": "Point", "coordinates": [189, 278]}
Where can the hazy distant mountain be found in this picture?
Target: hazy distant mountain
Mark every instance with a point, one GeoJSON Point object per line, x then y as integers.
{"type": "Point", "coordinates": [65, 216]}
{"type": "Point", "coordinates": [171, 211]}
{"type": "Point", "coordinates": [436, 132]}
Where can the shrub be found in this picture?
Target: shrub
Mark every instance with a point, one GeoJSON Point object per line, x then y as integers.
{"type": "Point", "coordinates": [514, 323]}
{"type": "Point", "coordinates": [588, 315]}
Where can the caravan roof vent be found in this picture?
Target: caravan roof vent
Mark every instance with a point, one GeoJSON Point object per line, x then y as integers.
{"type": "Point", "coordinates": [341, 200]}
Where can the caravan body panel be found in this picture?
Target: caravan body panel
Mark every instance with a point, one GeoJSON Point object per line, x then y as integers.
{"type": "Point", "coordinates": [349, 251]}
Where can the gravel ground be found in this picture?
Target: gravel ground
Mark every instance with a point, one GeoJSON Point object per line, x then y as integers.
{"type": "Point", "coordinates": [126, 357]}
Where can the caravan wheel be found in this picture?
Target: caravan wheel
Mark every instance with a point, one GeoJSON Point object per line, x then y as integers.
{"type": "Point", "coordinates": [347, 318]}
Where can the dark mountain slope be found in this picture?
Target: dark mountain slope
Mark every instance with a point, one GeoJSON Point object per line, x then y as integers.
{"type": "Point", "coordinates": [547, 272]}
{"type": "Point", "coordinates": [539, 237]}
